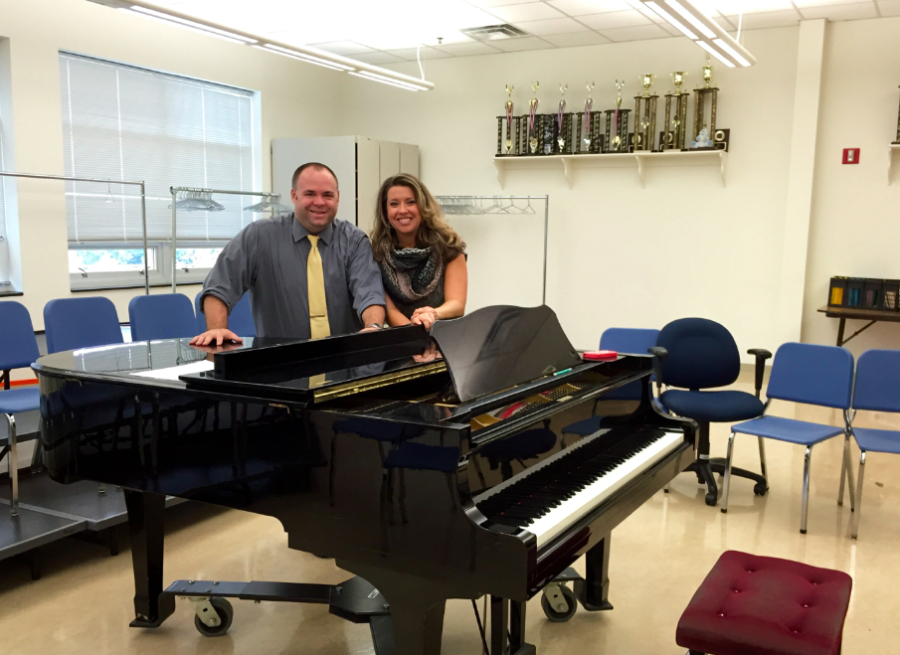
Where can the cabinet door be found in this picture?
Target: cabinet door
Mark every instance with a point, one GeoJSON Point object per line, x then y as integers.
{"type": "Point", "coordinates": [367, 182]}
{"type": "Point", "coordinates": [409, 159]}
{"type": "Point", "coordinates": [390, 159]}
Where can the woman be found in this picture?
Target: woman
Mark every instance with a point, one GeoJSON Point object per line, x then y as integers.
{"type": "Point", "coordinates": [422, 262]}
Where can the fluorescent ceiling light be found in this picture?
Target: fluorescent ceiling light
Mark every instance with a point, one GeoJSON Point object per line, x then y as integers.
{"type": "Point", "coordinates": [213, 31]}
{"type": "Point", "coordinates": [374, 77]}
{"type": "Point", "coordinates": [731, 51]}
{"type": "Point", "coordinates": [691, 18]}
{"type": "Point", "coordinates": [302, 56]}
{"type": "Point", "coordinates": [674, 21]}
{"type": "Point", "coordinates": [712, 37]}
{"type": "Point", "coordinates": [715, 53]}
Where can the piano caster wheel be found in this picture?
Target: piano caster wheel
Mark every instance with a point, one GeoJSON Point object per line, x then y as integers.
{"type": "Point", "coordinates": [760, 489]}
{"type": "Point", "coordinates": [712, 499]}
{"type": "Point", "coordinates": [222, 607]}
{"type": "Point", "coordinates": [555, 596]}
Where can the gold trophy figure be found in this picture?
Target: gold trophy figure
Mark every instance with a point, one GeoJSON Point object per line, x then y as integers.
{"type": "Point", "coordinates": [707, 73]}
{"type": "Point", "coordinates": [532, 116]}
{"type": "Point", "coordinates": [509, 117]}
{"type": "Point", "coordinates": [617, 138]}
{"type": "Point", "coordinates": [560, 114]}
{"type": "Point", "coordinates": [586, 135]}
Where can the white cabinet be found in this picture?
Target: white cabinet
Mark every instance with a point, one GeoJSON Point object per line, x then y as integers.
{"type": "Point", "coordinates": [360, 163]}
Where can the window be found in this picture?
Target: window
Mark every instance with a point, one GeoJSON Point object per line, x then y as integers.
{"type": "Point", "coordinates": [5, 272]}
{"type": "Point", "coordinates": [126, 123]}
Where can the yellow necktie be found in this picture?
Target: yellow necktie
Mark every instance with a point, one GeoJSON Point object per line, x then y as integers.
{"type": "Point", "coordinates": [315, 280]}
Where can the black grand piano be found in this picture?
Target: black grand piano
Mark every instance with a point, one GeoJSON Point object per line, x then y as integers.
{"type": "Point", "coordinates": [430, 466]}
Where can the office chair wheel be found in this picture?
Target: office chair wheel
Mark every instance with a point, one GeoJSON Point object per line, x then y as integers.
{"type": "Point", "coordinates": [553, 613]}
{"type": "Point", "coordinates": [712, 498]}
{"type": "Point", "coordinates": [760, 489]}
{"type": "Point", "coordinates": [226, 616]}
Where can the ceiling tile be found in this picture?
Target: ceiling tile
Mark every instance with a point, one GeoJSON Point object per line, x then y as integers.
{"type": "Point", "coordinates": [840, 12]}
{"type": "Point", "coordinates": [466, 49]}
{"type": "Point", "coordinates": [486, 4]}
{"type": "Point", "coordinates": [345, 48]}
{"type": "Point", "coordinates": [639, 33]}
{"type": "Point", "coordinates": [552, 26]}
{"type": "Point", "coordinates": [521, 44]}
{"type": "Point", "coordinates": [889, 7]}
{"type": "Point", "coordinates": [734, 7]}
{"type": "Point", "coordinates": [725, 24]}
{"type": "Point", "coordinates": [768, 19]}
{"type": "Point", "coordinates": [409, 54]}
{"type": "Point", "coordinates": [800, 4]}
{"type": "Point", "coordinates": [378, 58]}
{"type": "Point", "coordinates": [526, 11]}
{"type": "Point", "coordinates": [615, 19]}
{"type": "Point", "coordinates": [585, 7]}
{"type": "Point", "coordinates": [576, 39]}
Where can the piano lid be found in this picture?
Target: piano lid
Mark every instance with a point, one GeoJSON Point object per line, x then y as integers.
{"type": "Point", "coordinates": [498, 347]}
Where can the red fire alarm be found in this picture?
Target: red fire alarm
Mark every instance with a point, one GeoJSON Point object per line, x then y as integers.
{"type": "Point", "coordinates": [851, 156]}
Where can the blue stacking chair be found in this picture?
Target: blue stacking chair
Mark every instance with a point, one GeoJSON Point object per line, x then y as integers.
{"type": "Point", "coordinates": [240, 320]}
{"type": "Point", "coordinates": [72, 323]}
{"type": "Point", "coordinates": [693, 357]}
{"type": "Point", "coordinates": [810, 374]}
{"type": "Point", "coordinates": [627, 341]}
{"type": "Point", "coordinates": [877, 389]}
{"type": "Point", "coordinates": [163, 316]}
{"type": "Point", "coordinates": [18, 349]}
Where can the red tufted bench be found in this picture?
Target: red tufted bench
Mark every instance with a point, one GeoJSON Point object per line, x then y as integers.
{"type": "Point", "coordinates": [750, 605]}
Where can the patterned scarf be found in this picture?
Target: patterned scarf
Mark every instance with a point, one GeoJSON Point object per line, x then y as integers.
{"type": "Point", "coordinates": [411, 273]}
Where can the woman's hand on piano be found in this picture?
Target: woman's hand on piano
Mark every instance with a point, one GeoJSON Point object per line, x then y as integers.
{"type": "Point", "coordinates": [430, 354]}
{"type": "Point", "coordinates": [424, 316]}
{"type": "Point", "coordinates": [217, 337]}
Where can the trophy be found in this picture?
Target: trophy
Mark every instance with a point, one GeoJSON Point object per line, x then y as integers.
{"type": "Point", "coordinates": [708, 137]}
{"type": "Point", "coordinates": [617, 123]}
{"type": "Point", "coordinates": [532, 120]}
{"type": "Point", "coordinates": [584, 122]}
{"type": "Point", "coordinates": [509, 118]}
{"type": "Point", "coordinates": [897, 142]}
{"type": "Point", "coordinates": [562, 120]}
{"type": "Point", "coordinates": [673, 138]}
{"type": "Point", "coordinates": [645, 116]}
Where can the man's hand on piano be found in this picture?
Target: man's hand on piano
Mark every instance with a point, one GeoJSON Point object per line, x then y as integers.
{"type": "Point", "coordinates": [424, 316]}
{"type": "Point", "coordinates": [217, 337]}
{"type": "Point", "coordinates": [430, 354]}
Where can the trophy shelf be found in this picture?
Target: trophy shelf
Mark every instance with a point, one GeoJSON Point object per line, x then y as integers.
{"type": "Point", "coordinates": [639, 160]}
{"type": "Point", "coordinates": [893, 149]}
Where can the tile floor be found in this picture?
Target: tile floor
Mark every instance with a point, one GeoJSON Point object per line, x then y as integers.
{"type": "Point", "coordinates": [82, 605]}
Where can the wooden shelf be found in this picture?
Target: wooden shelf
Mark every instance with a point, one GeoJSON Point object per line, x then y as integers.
{"type": "Point", "coordinates": [639, 160]}
{"type": "Point", "coordinates": [893, 149]}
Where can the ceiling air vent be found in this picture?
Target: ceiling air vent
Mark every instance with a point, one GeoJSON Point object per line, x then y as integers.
{"type": "Point", "coordinates": [495, 32]}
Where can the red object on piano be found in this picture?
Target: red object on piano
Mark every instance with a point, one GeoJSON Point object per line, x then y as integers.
{"type": "Point", "coordinates": [599, 355]}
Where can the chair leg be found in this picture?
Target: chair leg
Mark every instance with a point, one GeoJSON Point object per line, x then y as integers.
{"type": "Point", "coordinates": [763, 466]}
{"type": "Point", "coordinates": [854, 520]}
{"type": "Point", "coordinates": [13, 465]}
{"type": "Point", "coordinates": [727, 486]}
{"type": "Point", "coordinates": [804, 507]}
{"type": "Point", "coordinates": [848, 466]}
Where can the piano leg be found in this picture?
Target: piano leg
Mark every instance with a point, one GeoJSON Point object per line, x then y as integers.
{"type": "Point", "coordinates": [145, 526]}
{"type": "Point", "coordinates": [592, 591]}
{"type": "Point", "coordinates": [417, 631]}
{"type": "Point", "coordinates": [508, 628]}
{"type": "Point", "coordinates": [499, 623]}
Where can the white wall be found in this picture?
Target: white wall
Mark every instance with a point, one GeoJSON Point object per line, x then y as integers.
{"type": "Point", "coordinates": [855, 229]}
{"type": "Point", "coordinates": [296, 99]}
{"type": "Point", "coordinates": [621, 255]}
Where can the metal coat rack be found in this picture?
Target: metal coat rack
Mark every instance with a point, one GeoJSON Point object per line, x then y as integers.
{"type": "Point", "coordinates": [35, 176]}
{"type": "Point", "coordinates": [175, 190]}
{"type": "Point", "coordinates": [502, 205]}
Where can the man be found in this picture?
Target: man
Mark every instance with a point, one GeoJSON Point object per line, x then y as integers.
{"type": "Point", "coordinates": [296, 290]}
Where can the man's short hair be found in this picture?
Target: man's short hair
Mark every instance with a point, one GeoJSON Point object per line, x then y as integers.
{"type": "Point", "coordinates": [315, 166]}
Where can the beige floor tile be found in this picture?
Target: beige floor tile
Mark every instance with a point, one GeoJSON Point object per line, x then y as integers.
{"type": "Point", "coordinates": [82, 605]}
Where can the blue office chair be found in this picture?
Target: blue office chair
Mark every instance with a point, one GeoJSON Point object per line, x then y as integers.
{"type": "Point", "coordinates": [877, 389]}
{"type": "Point", "coordinates": [697, 354]}
{"type": "Point", "coordinates": [72, 323]}
{"type": "Point", "coordinates": [18, 349]}
{"type": "Point", "coordinates": [163, 316]}
{"type": "Point", "coordinates": [803, 373]}
{"type": "Point", "coordinates": [627, 341]}
{"type": "Point", "coordinates": [240, 320]}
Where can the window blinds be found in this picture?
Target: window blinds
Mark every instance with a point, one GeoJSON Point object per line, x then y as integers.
{"type": "Point", "coordinates": [127, 123]}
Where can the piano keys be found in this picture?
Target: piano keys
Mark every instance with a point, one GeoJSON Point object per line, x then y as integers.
{"type": "Point", "coordinates": [430, 472]}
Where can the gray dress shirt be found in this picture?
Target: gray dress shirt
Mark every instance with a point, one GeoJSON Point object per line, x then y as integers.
{"type": "Point", "coordinates": [268, 259]}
